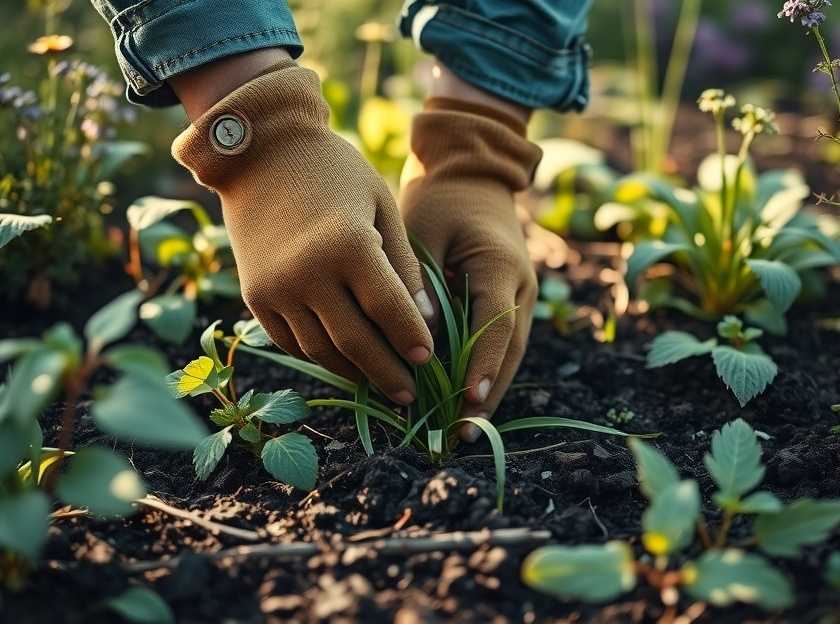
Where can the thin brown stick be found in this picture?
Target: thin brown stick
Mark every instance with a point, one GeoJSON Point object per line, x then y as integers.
{"type": "Point", "coordinates": [213, 527]}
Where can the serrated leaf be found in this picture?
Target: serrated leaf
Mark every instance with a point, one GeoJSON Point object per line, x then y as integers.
{"type": "Point", "coordinates": [646, 254]}
{"type": "Point", "coordinates": [779, 281]}
{"type": "Point", "coordinates": [252, 333]}
{"type": "Point", "coordinates": [282, 407]}
{"type": "Point", "coordinates": [746, 371]}
{"type": "Point", "coordinates": [197, 377]}
{"type": "Point", "coordinates": [734, 462]}
{"type": "Point", "coordinates": [250, 433]}
{"type": "Point", "coordinates": [170, 316]}
{"type": "Point", "coordinates": [209, 451]}
{"type": "Point", "coordinates": [24, 519]}
{"type": "Point", "coordinates": [13, 225]}
{"type": "Point", "coordinates": [726, 577]}
{"type": "Point", "coordinates": [730, 327]}
{"type": "Point", "coordinates": [801, 523]}
{"type": "Point", "coordinates": [101, 481]}
{"type": "Point", "coordinates": [292, 459]}
{"type": "Point", "coordinates": [674, 346]}
{"type": "Point", "coordinates": [147, 211]}
{"type": "Point", "coordinates": [655, 472]}
{"type": "Point", "coordinates": [759, 502]}
{"type": "Point", "coordinates": [141, 606]}
{"type": "Point", "coordinates": [113, 321]}
{"type": "Point", "coordinates": [669, 523]}
{"type": "Point", "coordinates": [589, 573]}
{"type": "Point", "coordinates": [244, 402]}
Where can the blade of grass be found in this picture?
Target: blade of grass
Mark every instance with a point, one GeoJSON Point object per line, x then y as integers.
{"type": "Point", "coordinates": [498, 447]}
{"type": "Point", "coordinates": [435, 438]}
{"type": "Point", "coordinates": [464, 359]}
{"type": "Point", "coordinates": [387, 417]}
{"type": "Point", "coordinates": [409, 437]}
{"type": "Point", "coordinates": [362, 423]}
{"type": "Point", "coordinates": [540, 422]}
{"type": "Point", "coordinates": [448, 315]}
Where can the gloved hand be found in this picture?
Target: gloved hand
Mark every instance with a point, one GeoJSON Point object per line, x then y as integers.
{"type": "Point", "coordinates": [321, 251]}
{"type": "Point", "coordinates": [457, 199]}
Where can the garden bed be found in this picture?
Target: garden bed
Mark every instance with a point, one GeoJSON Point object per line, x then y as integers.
{"type": "Point", "coordinates": [582, 488]}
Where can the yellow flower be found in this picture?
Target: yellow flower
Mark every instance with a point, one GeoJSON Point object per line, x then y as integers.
{"type": "Point", "coordinates": [656, 543]}
{"type": "Point", "coordinates": [50, 44]}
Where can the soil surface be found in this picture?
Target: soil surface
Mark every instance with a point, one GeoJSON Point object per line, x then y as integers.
{"type": "Point", "coordinates": [582, 488]}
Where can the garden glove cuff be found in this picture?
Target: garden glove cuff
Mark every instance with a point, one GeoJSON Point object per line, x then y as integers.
{"type": "Point", "coordinates": [466, 164]}
{"type": "Point", "coordinates": [322, 254]}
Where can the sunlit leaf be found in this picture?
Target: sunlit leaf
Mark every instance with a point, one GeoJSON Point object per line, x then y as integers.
{"type": "Point", "coordinates": [292, 459]}
{"type": "Point", "coordinates": [197, 377]}
{"type": "Point", "coordinates": [209, 451]}
{"type": "Point", "coordinates": [669, 522]}
{"type": "Point", "coordinates": [251, 333]}
{"type": "Point", "coordinates": [13, 225]}
{"type": "Point", "coordinates": [779, 281]}
{"type": "Point", "coordinates": [170, 316]}
{"type": "Point", "coordinates": [149, 210]}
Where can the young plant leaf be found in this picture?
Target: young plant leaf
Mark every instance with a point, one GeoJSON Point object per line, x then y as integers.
{"type": "Point", "coordinates": [759, 503]}
{"type": "Point", "coordinates": [780, 282]}
{"type": "Point", "coordinates": [498, 448]}
{"type": "Point", "coordinates": [292, 459]}
{"type": "Point", "coordinates": [149, 210]}
{"type": "Point", "coordinates": [24, 519]}
{"type": "Point", "coordinates": [209, 452]}
{"type": "Point", "coordinates": [196, 378]}
{"type": "Point", "coordinates": [170, 316]}
{"type": "Point", "coordinates": [729, 576]}
{"type": "Point", "coordinates": [282, 407]}
{"type": "Point", "coordinates": [362, 424]}
{"type": "Point", "coordinates": [252, 333]}
{"type": "Point", "coordinates": [137, 360]}
{"type": "Point", "coordinates": [673, 346]}
{"type": "Point", "coordinates": [767, 316]}
{"type": "Point", "coordinates": [33, 384]}
{"type": "Point", "coordinates": [669, 523]}
{"type": "Point", "coordinates": [801, 523]}
{"type": "Point", "coordinates": [646, 254]}
{"type": "Point", "coordinates": [13, 225]}
{"type": "Point", "coordinates": [103, 482]}
{"type": "Point", "coordinates": [543, 422]}
{"type": "Point", "coordinates": [208, 344]}
{"type": "Point", "coordinates": [250, 434]}
{"type": "Point", "coordinates": [113, 321]}
{"type": "Point", "coordinates": [13, 348]}
{"type": "Point", "coordinates": [655, 472]}
{"type": "Point", "coordinates": [734, 462]}
{"type": "Point", "coordinates": [141, 606]}
{"type": "Point", "coordinates": [746, 371]}
{"type": "Point", "coordinates": [589, 573]}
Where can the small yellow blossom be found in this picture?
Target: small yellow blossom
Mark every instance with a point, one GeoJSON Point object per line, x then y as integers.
{"type": "Point", "coordinates": [50, 44]}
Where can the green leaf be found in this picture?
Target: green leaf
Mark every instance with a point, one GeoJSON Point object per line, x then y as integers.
{"type": "Point", "coordinates": [250, 433]}
{"type": "Point", "coordinates": [149, 210]}
{"type": "Point", "coordinates": [655, 472]}
{"type": "Point", "coordinates": [103, 482]}
{"type": "Point", "coordinates": [292, 459]}
{"type": "Point", "coordinates": [33, 384]}
{"type": "Point", "coordinates": [196, 378]}
{"type": "Point", "coordinates": [725, 577]}
{"type": "Point", "coordinates": [779, 281]}
{"type": "Point", "coordinates": [228, 415]}
{"type": "Point", "coordinates": [362, 424]}
{"type": "Point", "coordinates": [767, 316]}
{"type": "Point", "coordinates": [24, 519]}
{"type": "Point", "coordinates": [222, 283]}
{"type": "Point", "coordinates": [137, 360]}
{"type": "Point", "coordinates": [759, 502]}
{"type": "Point", "coordinates": [669, 523]}
{"type": "Point", "coordinates": [142, 606]}
{"type": "Point", "coordinates": [13, 348]}
{"type": "Point", "coordinates": [674, 346]}
{"type": "Point", "coordinates": [14, 446]}
{"type": "Point", "coordinates": [252, 333]}
{"type": "Point", "coordinates": [13, 225]}
{"type": "Point", "coordinates": [746, 371]}
{"type": "Point", "coordinates": [137, 409]}
{"type": "Point", "coordinates": [647, 253]}
{"type": "Point", "coordinates": [114, 154]}
{"type": "Point", "coordinates": [62, 337]}
{"type": "Point", "coordinates": [498, 448]}
{"type": "Point", "coordinates": [588, 573]}
{"type": "Point", "coordinates": [208, 344]}
{"type": "Point", "coordinates": [735, 462]}
{"type": "Point", "coordinates": [801, 523]}
{"type": "Point", "coordinates": [281, 407]}
{"type": "Point", "coordinates": [113, 321]}
{"type": "Point", "coordinates": [166, 245]}
{"type": "Point", "coordinates": [832, 570]}
{"type": "Point", "coordinates": [542, 422]}
{"type": "Point", "coordinates": [555, 289]}
{"type": "Point", "coordinates": [170, 316]}
{"type": "Point", "coordinates": [209, 451]}
{"type": "Point", "coordinates": [730, 327]}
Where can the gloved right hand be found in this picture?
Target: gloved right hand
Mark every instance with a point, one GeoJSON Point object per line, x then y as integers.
{"type": "Point", "coordinates": [321, 250]}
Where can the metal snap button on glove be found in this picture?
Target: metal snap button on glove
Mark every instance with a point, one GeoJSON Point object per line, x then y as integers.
{"type": "Point", "coordinates": [228, 132]}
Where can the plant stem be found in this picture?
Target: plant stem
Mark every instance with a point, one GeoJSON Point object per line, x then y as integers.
{"type": "Point", "coordinates": [828, 64]}
{"type": "Point", "coordinates": [723, 533]}
{"type": "Point", "coordinates": [222, 398]}
{"type": "Point", "coordinates": [230, 355]}
{"type": "Point", "coordinates": [645, 76]}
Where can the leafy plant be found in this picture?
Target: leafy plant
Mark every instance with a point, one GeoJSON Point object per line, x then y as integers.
{"type": "Point", "coordinates": [741, 363]}
{"type": "Point", "coordinates": [135, 408]}
{"type": "Point", "coordinates": [740, 243]}
{"type": "Point", "coordinates": [555, 305]}
{"type": "Point", "coordinates": [724, 573]}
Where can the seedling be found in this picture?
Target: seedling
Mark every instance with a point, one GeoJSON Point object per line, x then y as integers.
{"type": "Point", "coordinates": [726, 572]}
{"type": "Point", "coordinates": [260, 421]}
{"type": "Point", "coordinates": [741, 244]}
{"type": "Point", "coordinates": [136, 408]}
{"type": "Point", "coordinates": [741, 363]}
{"type": "Point", "coordinates": [620, 416]}
{"type": "Point", "coordinates": [201, 262]}
{"type": "Point", "coordinates": [555, 305]}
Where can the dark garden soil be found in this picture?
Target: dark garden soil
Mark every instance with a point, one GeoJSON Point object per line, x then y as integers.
{"type": "Point", "coordinates": [582, 489]}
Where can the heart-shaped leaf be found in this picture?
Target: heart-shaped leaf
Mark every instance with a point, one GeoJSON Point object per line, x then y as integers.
{"type": "Point", "coordinates": [292, 459]}
{"type": "Point", "coordinates": [673, 346]}
{"type": "Point", "coordinates": [735, 462]}
{"type": "Point", "coordinates": [282, 407]}
{"type": "Point", "coordinates": [746, 371]}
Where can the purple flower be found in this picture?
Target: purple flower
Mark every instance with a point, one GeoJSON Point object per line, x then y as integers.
{"type": "Point", "coordinates": [809, 12]}
{"type": "Point", "coordinates": [813, 20]}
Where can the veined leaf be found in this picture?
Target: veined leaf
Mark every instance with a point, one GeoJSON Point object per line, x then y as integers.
{"type": "Point", "coordinates": [103, 482]}
{"type": "Point", "coordinates": [282, 407]}
{"type": "Point", "coordinates": [170, 316]}
{"type": "Point", "coordinates": [197, 377]}
{"type": "Point", "coordinates": [291, 458]}
{"type": "Point", "coordinates": [251, 333]}
{"type": "Point", "coordinates": [746, 371]}
{"type": "Point", "coordinates": [113, 321]}
{"type": "Point", "coordinates": [647, 253]}
{"type": "Point", "coordinates": [13, 225]}
{"type": "Point", "coordinates": [208, 344]}
{"type": "Point", "coordinates": [590, 573]}
{"type": "Point", "coordinates": [674, 346]}
{"type": "Point", "coordinates": [655, 472]}
{"type": "Point", "coordinates": [759, 503]}
{"type": "Point", "coordinates": [250, 434]}
{"type": "Point", "coordinates": [669, 522]}
{"type": "Point", "coordinates": [801, 523]}
{"type": "Point", "coordinates": [209, 451]}
{"type": "Point", "coordinates": [779, 281]}
{"type": "Point", "coordinates": [735, 462]}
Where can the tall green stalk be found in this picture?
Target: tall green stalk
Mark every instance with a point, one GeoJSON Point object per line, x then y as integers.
{"type": "Point", "coordinates": [829, 66]}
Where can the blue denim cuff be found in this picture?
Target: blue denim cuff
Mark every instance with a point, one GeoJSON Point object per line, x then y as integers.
{"type": "Point", "coordinates": [158, 39]}
{"type": "Point", "coordinates": [506, 61]}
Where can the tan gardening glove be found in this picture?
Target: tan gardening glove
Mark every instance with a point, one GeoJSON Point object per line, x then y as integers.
{"type": "Point", "coordinates": [457, 199]}
{"type": "Point", "coordinates": [322, 254]}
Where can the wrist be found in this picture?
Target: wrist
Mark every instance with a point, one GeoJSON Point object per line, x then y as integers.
{"type": "Point", "coordinates": [200, 88]}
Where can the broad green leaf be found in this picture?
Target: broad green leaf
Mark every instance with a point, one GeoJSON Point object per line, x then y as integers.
{"type": "Point", "coordinates": [149, 210]}
{"type": "Point", "coordinates": [113, 321]}
{"type": "Point", "coordinates": [555, 289]}
{"type": "Point", "coordinates": [669, 523]}
{"type": "Point", "coordinates": [656, 473]}
{"type": "Point", "coordinates": [589, 573]}
{"type": "Point", "coordinates": [228, 415]}
{"type": "Point", "coordinates": [292, 459]}
{"type": "Point", "coordinates": [801, 523]}
{"type": "Point", "coordinates": [674, 346]}
{"type": "Point", "coordinates": [170, 316]}
{"type": "Point", "coordinates": [221, 283]}
{"type": "Point", "coordinates": [13, 225]}
{"type": "Point", "coordinates": [166, 245]}
{"type": "Point", "coordinates": [197, 377]}
{"type": "Point", "coordinates": [62, 337]}
{"type": "Point", "coordinates": [141, 605]}
{"type": "Point", "coordinates": [779, 281]}
{"type": "Point", "coordinates": [780, 208]}
{"type": "Point", "coordinates": [103, 482]}
{"type": "Point", "coordinates": [209, 451]}
{"type": "Point", "coordinates": [24, 519]}
{"type": "Point", "coordinates": [281, 407]}
{"type": "Point", "coordinates": [832, 570]}
{"type": "Point", "coordinates": [208, 344]}
{"type": "Point", "coordinates": [244, 402]}
{"type": "Point", "coordinates": [250, 433]}
{"type": "Point", "coordinates": [225, 376]}
{"type": "Point", "coordinates": [611, 214]}
{"type": "Point", "coordinates": [252, 333]}
{"type": "Point", "coordinates": [13, 348]}
{"type": "Point", "coordinates": [759, 502]}
{"type": "Point", "coordinates": [33, 384]}
{"type": "Point", "coordinates": [734, 462]}
{"type": "Point", "coordinates": [113, 155]}
{"type": "Point", "coordinates": [14, 446]}
{"type": "Point", "coordinates": [746, 371]}
{"type": "Point", "coordinates": [725, 577]}
{"type": "Point", "coordinates": [767, 316]}
{"type": "Point", "coordinates": [647, 253]}
{"type": "Point", "coordinates": [137, 360]}
{"type": "Point", "coordinates": [137, 409]}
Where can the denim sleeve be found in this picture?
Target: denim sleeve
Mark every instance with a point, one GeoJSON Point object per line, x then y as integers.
{"type": "Point", "coordinates": [158, 39]}
{"type": "Point", "coordinates": [531, 52]}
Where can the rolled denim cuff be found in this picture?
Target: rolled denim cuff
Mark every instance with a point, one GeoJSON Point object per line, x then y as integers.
{"type": "Point", "coordinates": [157, 40]}
{"type": "Point", "coordinates": [505, 61]}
